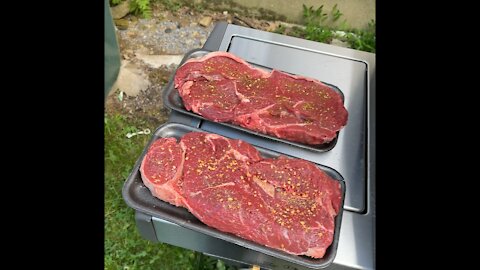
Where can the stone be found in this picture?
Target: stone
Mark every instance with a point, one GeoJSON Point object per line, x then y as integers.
{"type": "Point", "coordinates": [156, 61]}
{"type": "Point", "coordinates": [131, 80]}
{"type": "Point", "coordinates": [122, 24]}
{"type": "Point", "coordinates": [121, 10]}
{"type": "Point", "coordinates": [340, 43]}
{"type": "Point", "coordinates": [205, 21]}
{"type": "Point", "coordinates": [168, 30]}
{"type": "Point", "coordinates": [184, 23]}
{"type": "Point", "coordinates": [270, 27]}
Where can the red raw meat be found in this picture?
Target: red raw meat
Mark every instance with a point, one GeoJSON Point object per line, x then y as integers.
{"type": "Point", "coordinates": [224, 88]}
{"type": "Point", "coordinates": [284, 203]}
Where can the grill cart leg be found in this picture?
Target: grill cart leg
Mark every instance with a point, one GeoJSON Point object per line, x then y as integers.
{"type": "Point", "coordinates": [145, 226]}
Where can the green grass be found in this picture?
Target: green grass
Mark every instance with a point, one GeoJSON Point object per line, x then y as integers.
{"type": "Point", "coordinates": [124, 247]}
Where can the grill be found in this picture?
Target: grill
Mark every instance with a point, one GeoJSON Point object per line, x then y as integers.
{"type": "Point", "coordinates": [352, 154]}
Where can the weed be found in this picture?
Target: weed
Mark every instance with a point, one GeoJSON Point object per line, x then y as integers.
{"type": "Point", "coordinates": [172, 5]}
{"type": "Point", "coordinates": [318, 27]}
{"type": "Point", "coordinates": [115, 2]}
{"type": "Point", "coordinates": [137, 7]}
{"type": "Point", "coordinates": [199, 7]}
{"type": "Point", "coordinates": [335, 13]}
{"type": "Point", "coordinates": [312, 16]}
{"type": "Point", "coordinates": [141, 7]}
{"type": "Point", "coordinates": [362, 40]}
{"type": "Point", "coordinates": [280, 29]}
{"type": "Point", "coordinates": [319, 34]}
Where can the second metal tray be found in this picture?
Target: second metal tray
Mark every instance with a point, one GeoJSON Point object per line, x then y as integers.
{"type": "Point", "coordinates": [172, 100]}
{"type": "Point", "coordinates": [138, 196]}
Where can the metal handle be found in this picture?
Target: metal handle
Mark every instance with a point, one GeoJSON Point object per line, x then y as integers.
{"type": "Point", "coordinates": [145, 131]}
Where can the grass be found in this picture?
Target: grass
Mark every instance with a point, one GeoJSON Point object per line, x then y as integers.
{"type": "Point", "coordinates": [124, 247]}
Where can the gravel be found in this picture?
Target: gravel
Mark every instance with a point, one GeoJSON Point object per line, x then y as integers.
{"type": "Point", "coordinates": [154, 36]}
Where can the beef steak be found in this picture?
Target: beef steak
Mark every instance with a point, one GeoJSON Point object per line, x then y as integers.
{"type": "Point", "coordinates": [162, 169]}
{"type": "Point", "coordinates": [224, 88]}
{"type": "Point", "coordinates": [284, 203]}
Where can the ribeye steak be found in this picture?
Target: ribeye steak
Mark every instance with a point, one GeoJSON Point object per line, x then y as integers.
{"type": "Point", "coordinates": [224, 88]}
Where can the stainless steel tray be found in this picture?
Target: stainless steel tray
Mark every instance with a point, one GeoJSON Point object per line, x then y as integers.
{"type": "Point", "coordinates": [137, 196]}
{"type": "Point", "coordinates": [172, 100]}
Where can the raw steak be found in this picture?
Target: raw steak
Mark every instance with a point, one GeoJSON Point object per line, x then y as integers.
{"type": "Point", "coordinates": [224, 88]}
{"type": "Point", "coordinates": [163, 167]}
{"type": "Point", "coordinates": [287, 204]}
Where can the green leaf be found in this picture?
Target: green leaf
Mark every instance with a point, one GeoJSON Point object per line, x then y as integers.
{"type": "Point", "coordinates": [220, 265]}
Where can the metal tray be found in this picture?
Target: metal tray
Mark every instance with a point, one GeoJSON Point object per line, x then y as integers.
{"type": "Point", "coordinates": [172, 100]}
{"type": "Point", "coordinates": [138, 196]}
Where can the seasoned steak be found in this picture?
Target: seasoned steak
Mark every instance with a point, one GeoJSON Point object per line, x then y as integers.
{"type": "Point", "coordinates": [224, 88]}
{"type": "Point", "coordinates": [285, 203]}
